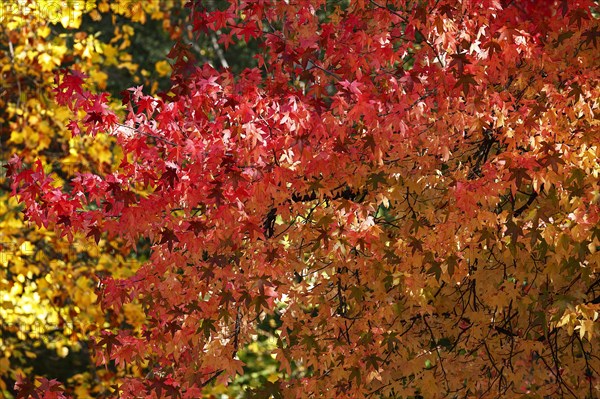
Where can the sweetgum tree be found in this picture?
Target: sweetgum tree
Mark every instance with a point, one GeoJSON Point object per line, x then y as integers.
{"type": "Point", "coordinates": [408, 190]}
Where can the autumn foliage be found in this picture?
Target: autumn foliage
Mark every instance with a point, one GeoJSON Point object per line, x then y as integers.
{"type": "Point", "coordinates": [48, 310]}
{"type": "Point", "coordinates": [407, 190]}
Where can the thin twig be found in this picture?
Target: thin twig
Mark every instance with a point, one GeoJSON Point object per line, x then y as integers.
{"type": "Point", "coordinates": [336, 76]}
{"type": "Point", "coordinates": [219, 51]}
{"type": "Point", "coordinates": [146, 134]}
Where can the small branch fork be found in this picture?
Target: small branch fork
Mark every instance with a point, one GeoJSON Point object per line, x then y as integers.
{"type": "Point", "coordinates": [147, 134]}
{"type": "Point", "coordinates": [236, 343]}
{"type": "Point", "coordinates": [405, 20]}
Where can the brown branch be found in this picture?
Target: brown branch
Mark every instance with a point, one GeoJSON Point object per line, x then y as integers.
{"type": "Point", "coordinates": [530, 200]}
{"type": "Point", "coordinates": [347, 193]}
{"type": "Point", "coordinates": [211, 379]}
{"type": "Point", "coordinates": [236, 333]}
{"type": "Point", "coordinates": [334, 75]}
{"type": "Point", "coordinates": [437, 351]}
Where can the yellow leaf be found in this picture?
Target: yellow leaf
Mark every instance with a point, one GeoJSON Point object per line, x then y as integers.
{"type": "Point", "coordinates": [43, 31]}
{"type": "Point", "coordinates": [16, 137]}
{"type": "Point", "coordinates": [131, 67]}
{"type": "Point", "coordinates": [137, 13]}
{"type": "Point", "coordinates": [110, 54]}
{"type": "Point", "coordinates": [82, 392]}
{"type": "Point", "coordinates": [103, 7]}
{"type": "Point", "coordinates": [100, 78]}
{"type": "Point", "coordinates": [95, 15]}
{"type": "Point", "coordinates": [82, 282]}
{"type": "Point", "coordinates": [26, 248]}
{"type": "Point", "coordinates": [4, 365]}
{"type": "Point", "coordinates": [163, 68]}
{"type": "Point", "coordinates": [62, 351]}
{"type": "Point", "coordinates": [219, 389]}
{"type": "Point", "coordinates": [128, 30]}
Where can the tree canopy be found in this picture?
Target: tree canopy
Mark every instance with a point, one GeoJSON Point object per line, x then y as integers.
{"type": "Point", "coordinates": [404, 193]}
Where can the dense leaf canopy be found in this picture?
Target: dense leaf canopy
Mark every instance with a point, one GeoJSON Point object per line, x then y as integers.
{"type": "Point", "coordinates": [408, 190]}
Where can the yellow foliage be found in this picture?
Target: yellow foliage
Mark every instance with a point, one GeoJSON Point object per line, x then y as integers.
{"type": "Point", "coordinates": [163, 68]}
{"type": "Point", "coordinates": [47, 284]}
